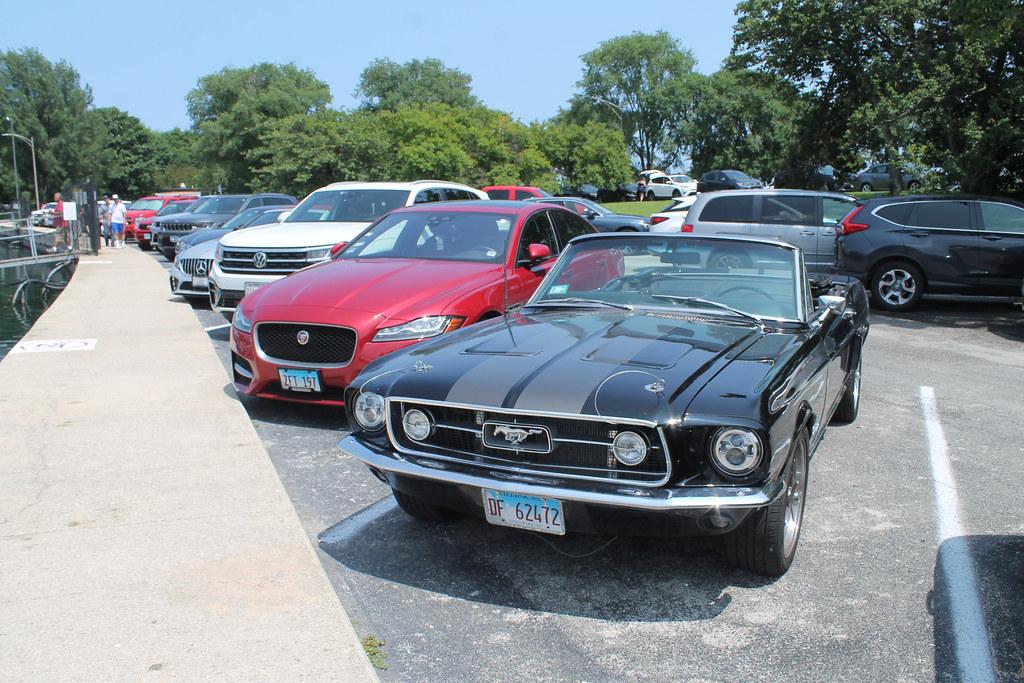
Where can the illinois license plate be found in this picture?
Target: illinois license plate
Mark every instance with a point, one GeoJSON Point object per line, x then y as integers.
{"type": "Point", "coordinates": [524, 512]}
{"type": "Point", "coordinates": [300, 380]}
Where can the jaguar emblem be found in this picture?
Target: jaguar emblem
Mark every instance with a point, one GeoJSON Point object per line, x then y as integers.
{"type": "Point", "coordinates": [259, 259]}
{"type": "Point", "coordinates": [515, 435]}
{"type": "Point", "coordinates": [302, 337]}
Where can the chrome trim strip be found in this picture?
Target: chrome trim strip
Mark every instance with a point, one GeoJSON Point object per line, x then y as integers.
{"type": "Point", "coordinates": [663, 500]}
{"type": "Point", "coordinates": [296, 364]}
{"type": "Point", "coordinates": [242, 371]}
{"type": "Point", "coordinates": [526, 413]}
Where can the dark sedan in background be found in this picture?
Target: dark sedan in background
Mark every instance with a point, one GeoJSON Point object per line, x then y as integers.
{"type": "Point", "coordinates": [727, 180]}
{"type": "Point", "coordinates": [660, 397]}
{"type": "Point", "coordinates": [209, 212]}
{"type": "Point", "coordinates": [602, 218]}
{"type": "Point", "coordinates": [879, 177]}
{"type": "Point", "coordinates": [904, 247]}
{"type": "Point", "coordinates": [250, 218]}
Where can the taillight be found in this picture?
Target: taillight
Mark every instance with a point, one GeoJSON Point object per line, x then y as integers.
{"type": "Point", "coordinates": [848, 227]}
{"type": "Point", "coordinates": [687, 227]}
{"type": "Point", "coordinates": [658, 219]}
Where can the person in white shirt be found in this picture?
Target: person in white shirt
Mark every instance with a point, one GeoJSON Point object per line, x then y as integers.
{"type": "Point", "coordinates": [117, 216]}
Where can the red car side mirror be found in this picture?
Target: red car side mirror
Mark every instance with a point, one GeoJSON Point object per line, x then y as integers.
{"type": "Point", "coordinates": [336, 249]}
{"type": "Point", "coordinates": [538, 252]}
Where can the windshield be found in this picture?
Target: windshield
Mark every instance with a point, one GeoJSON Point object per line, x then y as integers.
{"type": "Point", "coordinates": [266, 218]}
{"type": "Point", "coordinates": [218, 205]}
{"type": "Point", "coordinates": [705, 275]}
{"type": "Point", "coordinates": [242, 219]}
{"type": "Point", "coordinates": [146, 205]}
{"type": "Point", "coordinates": [682, 179]}
{"type": "Point", "coordinates": [176, 207]}
{"type": "Point", "coordinates": [737, 175]}
{"type": "Point", "coordinates": [449, 236]}
{"type": "Point", "coordinates": [347, 206]}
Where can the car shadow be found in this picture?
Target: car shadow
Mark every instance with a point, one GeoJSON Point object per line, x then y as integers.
{"type": "Point", "coordinates": [597, 577]}
{"type": "Point", "coordinates": [998, 316]}
{"type": "Point", "coordinates": [291, 414]}
{"type": "Point", "coordinates": [999, 566]}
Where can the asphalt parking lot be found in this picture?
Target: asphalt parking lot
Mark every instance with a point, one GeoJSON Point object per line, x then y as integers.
{"type": "Point", "coordinates": [879, 590]}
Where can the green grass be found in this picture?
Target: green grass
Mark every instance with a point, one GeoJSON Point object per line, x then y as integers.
{"type": "Point", "coordinates": [639, 208]}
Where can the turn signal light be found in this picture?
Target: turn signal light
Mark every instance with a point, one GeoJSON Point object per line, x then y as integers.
{"type": "Point", "coordinates": [848, 227]}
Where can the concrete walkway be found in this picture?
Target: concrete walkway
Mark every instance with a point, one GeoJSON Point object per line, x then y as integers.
{"type": "Point", "coordinates": [143, 530]}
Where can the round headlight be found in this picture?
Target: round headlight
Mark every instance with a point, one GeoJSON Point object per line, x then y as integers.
{"type": "Point", "coordinates": [369, 411]}
{"type": "Point", "coordinates": [417, 425]}
{"type": "Point", "coordinates": [629, 448]}
{"type": "Point", "coordinates": [736, 451]}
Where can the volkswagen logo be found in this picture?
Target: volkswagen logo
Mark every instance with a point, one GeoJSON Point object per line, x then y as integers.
{"type": "Point", "coordinates": [201, 268]}
{"type": "Point", "coordinates": [259, 259]}
{"type": "Point", "coordinates": [302, 337]}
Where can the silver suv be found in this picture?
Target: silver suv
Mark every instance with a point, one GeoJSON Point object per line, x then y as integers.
{"type": "Point", "coordinates": [803, 218]}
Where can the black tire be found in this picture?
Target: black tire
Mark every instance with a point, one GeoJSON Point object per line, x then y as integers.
{"type": "Point", "coordinates": [897, 286]}
{"type": "Point", "coordinates": [428, 512]}
{"type": "Point", "coordinates": [761, 544]}
{"type": "Point", "coordinates": [651, 196]}
{"type": "Point", "coordinates": [849, 404]}
{"type": "Point", "coordinates": [676, 193]}
{"type": "Point", "coordinates": [723, 260]}
{"type": "Point", "coordinates": [145, 247]}
{"type": "Point", "coordinates": [866, 187]}
{"type": "Point", "coordinates": [913, 185]}
{"type": "Point", "coordinates": [627, 228]}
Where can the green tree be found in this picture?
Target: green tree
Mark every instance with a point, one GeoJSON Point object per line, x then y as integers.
{"type": "Point", "coordinates": [174, 159]}
{"type": "Point", "coordinates": [593, 152]}
{"type": "Point", "coordinates": [387, 85]}
{"type": "Point", "coordinates": [232, 108]}
{"type": "Point", "coordinates": [47, 102]}
{"type": "Point", "coordinates": [642, 84]}
{"type": "Point", "coordinates": [125, 153]}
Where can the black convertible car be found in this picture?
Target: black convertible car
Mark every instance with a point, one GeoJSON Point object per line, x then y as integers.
{"type": "Point", "coordinates": [639, 391]}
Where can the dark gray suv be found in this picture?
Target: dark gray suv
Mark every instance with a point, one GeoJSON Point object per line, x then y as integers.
{"type": "Point", "coordinates": [904, 247]}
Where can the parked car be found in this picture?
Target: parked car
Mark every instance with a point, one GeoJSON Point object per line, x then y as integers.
{"type": "Point", "coordinates": [327, 218]}
{"type": "Point", "coordinates": [44, 214]}
{"type": "Point", "coordinates": [189, 276]}
{"type": "Point", "coordinates": [803, 218]}
{"type": "Point", "coordinates": [600, 217]}
{"type": "Point", "coordinates": [250, 218]}
{"type": "Point", "coordinates": [210, 212]}
{"type": "Point", "coordinates": [418, 272]}
{"type": "Point", "coordinates": [727, 180]}
{"type": "Point", "coordinates": [662, 398]}
{"type": "Point", "coordinates": [622, 192]}
{"type": "Point", "coordinates": [673, 217]}
{"type": "Point", "coordinates": [905, 247]}
{"type": "Point", "coordinates": [514, 192]}
{"type": "Point", "coordinates": [808, 177]}
{"type": "Point", "coordinates": [583, 191]}
{"type": "Point", "coordinates": [144, 226]}
{"type": "Point", "coordinates": [878, 177]}
{"type": "Point", "coordinates": [663, 186]}
{"type": "Point", "coordinates": [146, 207]}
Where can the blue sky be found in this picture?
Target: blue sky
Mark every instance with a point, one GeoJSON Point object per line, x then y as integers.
{"type": "Point", "coordinates": [144, 57]}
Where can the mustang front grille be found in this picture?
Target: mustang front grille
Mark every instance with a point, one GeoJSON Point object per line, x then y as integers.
{"type": "Point", "coordinates": [196, 266]}
{"type": "Point", "coordinates": [260, 261]}
{"type": "Point", "coordinates": [575, 447]}
{"type": "Point", "coordinates": [302, 343]}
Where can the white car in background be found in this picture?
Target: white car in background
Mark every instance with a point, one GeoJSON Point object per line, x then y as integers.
{"type": "Point", "coordinates": [664, 186]}
{"type": "Point", "coordinates": [318, 227]}
{"type": "Point", "coordinates": [673, 218]}
{"type": "Point", "coordinates": [189, 277]}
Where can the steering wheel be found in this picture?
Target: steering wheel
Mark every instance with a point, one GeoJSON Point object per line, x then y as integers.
{"type": "Point", "coordinates": [748, 288]}
{"type": "Point", "coordinates": [635, 279]}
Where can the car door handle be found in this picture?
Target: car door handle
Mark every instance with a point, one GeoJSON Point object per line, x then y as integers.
{"type": "Point", "coordinates": [827, 233]}
{"type": "Point", "coordinates": [918, 234]}
{"type": "Point", "coordinates": [807, 233]}
{"type": "Point", "coordinates": [991, 238]}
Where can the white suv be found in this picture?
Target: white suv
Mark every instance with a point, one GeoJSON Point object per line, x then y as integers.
{"type": "Point", "coordinates": [337, 213]}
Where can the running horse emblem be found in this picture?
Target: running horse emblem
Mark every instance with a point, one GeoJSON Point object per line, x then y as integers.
{"type": "Point", "coordinates": [515, 435]}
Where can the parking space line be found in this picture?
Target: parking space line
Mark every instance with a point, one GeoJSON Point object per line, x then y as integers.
{"type": "Point", "coordinates": [216, 327]}
{"type": "Point", "coordinates": [973, 654]}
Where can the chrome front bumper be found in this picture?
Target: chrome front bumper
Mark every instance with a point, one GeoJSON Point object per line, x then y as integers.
{"type": "Point", "coordinates": [653, 500]}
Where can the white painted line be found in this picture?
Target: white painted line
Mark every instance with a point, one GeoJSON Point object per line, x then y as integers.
{"type": "Point", "coordinates": [93, 262]}
{"type": "Point", "coordinates": [347, 528]}
{"type": "Point", "coordinates": [216, 327]}
{"type": "Point", "coordinates": [973, 654]}
{"type": "Point", "coordinates": [52, 345]}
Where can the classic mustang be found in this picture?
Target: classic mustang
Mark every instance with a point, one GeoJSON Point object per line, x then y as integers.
{"type": "Point", "coordinates": [639, 391]}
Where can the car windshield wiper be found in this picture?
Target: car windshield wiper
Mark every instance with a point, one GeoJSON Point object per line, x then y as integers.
{"type": "Point", "coordinates": [573, 302]}
{"type": "Point", "coordinates": [706, 302]}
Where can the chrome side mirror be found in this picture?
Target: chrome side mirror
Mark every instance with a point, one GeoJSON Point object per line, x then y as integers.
{"type": "Point", "coordinates": [834, 304]}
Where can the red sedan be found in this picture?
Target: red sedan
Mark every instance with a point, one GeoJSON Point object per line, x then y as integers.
{"type": "Point", "coordinates": [416, 273]}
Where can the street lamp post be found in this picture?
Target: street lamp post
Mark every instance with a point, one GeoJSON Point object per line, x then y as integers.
{"type": "Point", "coordinates": [14, 156]}
{"type": "Point", "coordinates": [31, 142]}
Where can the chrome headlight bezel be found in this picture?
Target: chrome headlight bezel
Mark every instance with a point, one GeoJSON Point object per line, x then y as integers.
{"type": "Point", "coordinates": [736, 451]}
{"type": "Point", "coordinates": [369, 411]}
{"type": "Point", "coordinates": [422, 427]}
{"type": "Point", "coordinates": [630, 448]}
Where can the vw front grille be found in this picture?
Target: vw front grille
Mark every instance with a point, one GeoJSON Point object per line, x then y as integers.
{"type": "Point", "coordinates": [273, 262]}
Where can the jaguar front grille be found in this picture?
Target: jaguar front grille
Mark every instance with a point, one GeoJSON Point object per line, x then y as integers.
{"type": "Point", "coordinates": [308, 344]}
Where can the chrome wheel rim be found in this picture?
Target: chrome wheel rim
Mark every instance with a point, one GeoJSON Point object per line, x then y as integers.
{"type": "Point", "coordinates": [897, 287]}
{"type": "Point", "coordinates": [796, 485]}
{"type": "Point", "coordinates": [856, 385]}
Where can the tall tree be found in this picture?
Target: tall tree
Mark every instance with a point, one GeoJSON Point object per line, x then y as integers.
{"type": "Point", "coordinates": [643, 84]}
{"type": "Point", "coordinates": [387, 85]}
{"type": "Point", "coordinates": [174, 158]}
{"type": "Point", "coordinates": [232, 108]}
{"type": "Point", "coordinates": [125, 154]}
{"type": "Point", "coordinates": [593, 152]}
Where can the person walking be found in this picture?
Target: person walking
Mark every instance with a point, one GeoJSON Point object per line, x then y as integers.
{"type": "Point", "coordinates": [104, 214]}
{"type": "Point", "coordinates": [117, 216]}
{"type": "Point", "coordinates": [641, 189]}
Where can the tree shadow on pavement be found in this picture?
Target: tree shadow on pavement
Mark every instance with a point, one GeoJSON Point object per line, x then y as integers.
{"type": "Point", "coordinates": [997, 316]}
{"type": "Point", "coordinates": [999, 565]}
{"type": "Point", "coordinates": [629, 579]}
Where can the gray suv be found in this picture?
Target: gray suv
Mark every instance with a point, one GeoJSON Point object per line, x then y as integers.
{"type": "Point", "coordinates": [803, 218]}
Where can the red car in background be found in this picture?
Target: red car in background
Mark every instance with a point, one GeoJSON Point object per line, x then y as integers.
{"type": "Point", "coordinates": [514, 192]}
{"type": "Point", "coordinates": [146, 207]}
{"type": "Point", "coordinates": [141, 225]}
{"type": "Point", "coordinates": [417, 272]}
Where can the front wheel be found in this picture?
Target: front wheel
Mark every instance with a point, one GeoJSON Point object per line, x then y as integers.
{"type": "Point", "coordinates": [866, 187]}
{"type": "Point", "coordinates": [676, 194]}
{"type": "Point", "coordinates": [651, 196]}
{"type": "Point", "coordinates": [897, 286]}
{"type": "Point", "coordinates": [849, 405]}
{"type": "Point", "coordinates": [145, 246]}
{"type": "Point", "coordinates": [913, 185]}
{"type": "Point", "coordinates": [766, 541]}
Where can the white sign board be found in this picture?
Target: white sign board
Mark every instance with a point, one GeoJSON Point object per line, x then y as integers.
{"type": "Point", "coordinates": [70, 212]}
{"type": "Point", "coordinates": [50, 345]}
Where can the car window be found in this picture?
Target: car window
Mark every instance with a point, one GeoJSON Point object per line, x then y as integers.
{"type": "Point", "coordinates": [579, 208]}
{"type": "Point", "coordinates": [265, 218]}
{"type": "Point", "coordinates": [523, 194]}
{"type": "Point", "coordinates": [497, 194]}
{"type": "Point", "coordinates": [788, 209]}
{"type": "Point", "coordinates": [834, 210]}
{"type": "Point", "coordinates": [734, 209]}
{"type": "Point", "coordinates": [897, 213]}
{"type": "Point", "coordinates": [568, 226]}
{"type": "Point", "coordinates": [942, 215]}
{"type": "Point", "coordinates": [1002, 217]}
{"type": "Point", "coordinates": [347, 205]}
{"type": "Point", "coordinates": [432, 194]}
{"type": "Point", "coordinates": [454, 194]}
{"type": "Point", "coordinates": [277, 201]}
{"type": "Point", "coordinates": [537, 230]}
{"type": "Point", "coordinates": [436, 235]}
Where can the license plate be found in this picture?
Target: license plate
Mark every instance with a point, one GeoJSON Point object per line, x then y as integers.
{"type": "Point", "coordinates": [300, 380]}
{"type": "Point", "coordinates": [200, 282]}
{"type": "Point", "coordinates": [251, 287]}
{"type": "Point", "coordinates": [524, 512]}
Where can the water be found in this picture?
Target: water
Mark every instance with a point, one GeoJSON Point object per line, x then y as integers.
{"type": "Point", "coordinates": [16, 321]}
